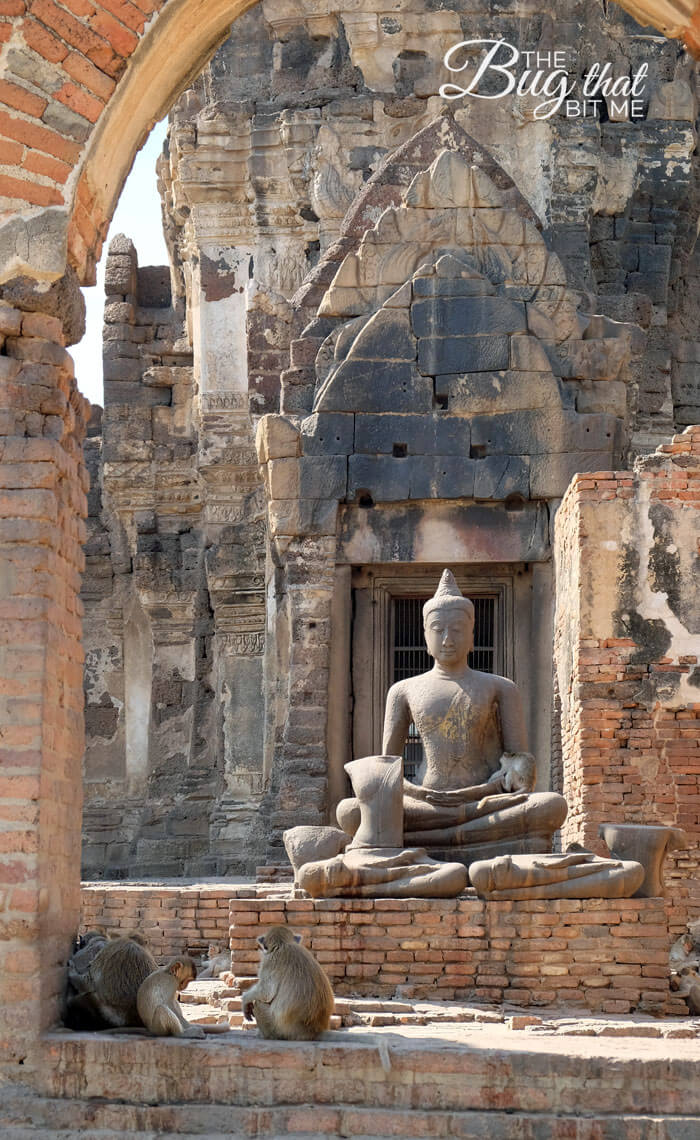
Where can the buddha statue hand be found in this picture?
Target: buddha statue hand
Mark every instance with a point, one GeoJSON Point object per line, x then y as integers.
{"type": "Point", "coordinates": [517, 772]}
{"type": "Point", "coordinates": [444, 797]}
{"type": "Point", "coordinates": [489, 804]}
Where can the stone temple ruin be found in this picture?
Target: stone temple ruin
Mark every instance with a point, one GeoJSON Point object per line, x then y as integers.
{"type": "Point", "coordinates": [397, 334]}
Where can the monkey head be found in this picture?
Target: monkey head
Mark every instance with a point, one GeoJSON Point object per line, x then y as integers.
{"type": "Point", "coordinates": [275, 937]}
{"type": "Point", "coordinates": [82, 940]}
{"type": "Point", "coordinates": [183, 970]}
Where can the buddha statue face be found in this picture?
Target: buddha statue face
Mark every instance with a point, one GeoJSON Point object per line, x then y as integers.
{"type": "Point", "coordinates": [449, 635]}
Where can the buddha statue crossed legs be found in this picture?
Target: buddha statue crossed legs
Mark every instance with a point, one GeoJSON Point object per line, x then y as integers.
{"type": "Point", "coordinates": [473, 789]}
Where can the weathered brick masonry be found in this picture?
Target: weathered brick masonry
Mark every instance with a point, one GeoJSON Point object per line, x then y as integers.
{"type": "Point", "coordinates": [628, 657]}
{"type": "Point", "coordinates": [42, 503]}
{"type": "Point", "coordinates": [596, 954]}
{"type": "Point", "coordinates": [173, 919]}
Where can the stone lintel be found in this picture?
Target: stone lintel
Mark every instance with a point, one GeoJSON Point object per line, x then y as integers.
{"type": "Point", "coordinates": [443, 532]}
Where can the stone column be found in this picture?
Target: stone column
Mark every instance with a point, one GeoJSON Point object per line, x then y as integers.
{"type": "Point", "coordinates": [42, 505]}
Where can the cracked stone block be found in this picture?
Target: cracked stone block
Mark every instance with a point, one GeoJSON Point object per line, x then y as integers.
{"type": "Point", "coordinates": [375, 387]}
{"type": "Point", "coordinates": [385, 478]}
{"type": "Point", "coordinates": [473, 316]}
{"type": "Point", "coordinates": [499, 476]}
{"type": "Point", "coordinates": [420, 435]}
{"type": "Point", "coordinates": [463, 354]}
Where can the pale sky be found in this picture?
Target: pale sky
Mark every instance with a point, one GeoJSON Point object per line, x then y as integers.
{"type": "Point", "coordinates": [138, 216]}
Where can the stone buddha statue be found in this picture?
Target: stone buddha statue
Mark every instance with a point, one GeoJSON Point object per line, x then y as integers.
{"type": "Point", "coordinates": [472, 797]}
{"type": "Point", "coordinates": [472, 804]}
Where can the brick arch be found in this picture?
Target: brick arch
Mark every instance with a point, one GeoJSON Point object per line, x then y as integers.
{"type": "Point", "coordinates": [82, 82]}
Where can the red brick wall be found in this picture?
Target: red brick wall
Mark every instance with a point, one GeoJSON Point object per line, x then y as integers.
{"type": "Point", "coordinates": [42, 502]}
{"type": "Point", "coordinates": [602, 955]}
{"type": "Point", "coordinates": [173, 920]}
{"type": "Point", "coordinates": [629, 724]}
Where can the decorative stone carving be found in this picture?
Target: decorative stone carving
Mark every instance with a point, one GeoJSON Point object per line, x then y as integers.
{"type": "Point", "coordinates": [224, 401]}
{"type": "Point", "coordinates": [243, 644]}
{"type": "Point", "coordinates": [649, 845]}
{"type": "Point", "coordinates": [375, 864]}
{"type": "Point", "coordinates": [576, 875]}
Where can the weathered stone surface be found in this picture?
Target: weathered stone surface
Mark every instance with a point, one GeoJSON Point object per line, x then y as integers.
{"type": "Point", "coordinates": [386, 336]}
{"type": "Point", "coordinates": [327, 433]}
{"type": "Point", "coordinates": [411, 435]}
{"type": "Point", "coordinates": [499, 477]}
{"type": "Point", "coordinates": [475, 316]}
{"type": "Point", "coordinates": [485, 392]}
{"type": "Point", "coordinates": [463, 354]}
{"type": "Point", "coordinates": [356, 386]}
{"type": "Point", "coordinates": [386, 479]}
{"type": "Point", "coordinates": [543, 433]}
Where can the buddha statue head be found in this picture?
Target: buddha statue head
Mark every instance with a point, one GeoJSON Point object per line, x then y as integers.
{"type": "Point", "coordinates": [448, 624]}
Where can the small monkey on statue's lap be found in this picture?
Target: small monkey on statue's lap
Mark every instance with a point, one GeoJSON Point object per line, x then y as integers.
{"type": "Point", "coordinates": [292, 999]}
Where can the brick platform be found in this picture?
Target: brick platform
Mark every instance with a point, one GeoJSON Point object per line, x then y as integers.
{"type": "Point", "coordinates": [454, 1081]}
{"type": "Point", "coordinates": [596, 954]}
{"type": "Point", "coordinates": [173, 919]}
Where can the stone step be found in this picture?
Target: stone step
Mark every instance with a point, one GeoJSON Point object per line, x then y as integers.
{"type": "Point", "coordinates": [460, 1068]}
{"type": "Point", "coordinates": [65, 1120]}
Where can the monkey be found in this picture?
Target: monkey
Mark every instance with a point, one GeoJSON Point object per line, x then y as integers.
{"type": "Point", "coordinates": [292, 999]}
{"type": "Point", "coordinates": [686, 983]}
{"type": "Point", "coordinates": [681, 953]}
{"type": "Point", "coordinates": [159, 1008]}
{"type": "Point", "coordinates": [87, 947]}
{"type": "Point", "coordinates": [104, 994]}
{"type": "Point", "coordinates": [157, 1002]}
{"type": "Point", "coordinates": [218, 962]}
{"type": "Point", "coordinates": [517, 771]}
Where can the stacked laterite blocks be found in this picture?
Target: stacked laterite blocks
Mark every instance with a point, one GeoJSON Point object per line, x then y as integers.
{"type": "Point", "coordinates": [599, 955]}
{"type": "Point", "coordinates": [42, 502]}
{"type": "Point", "coordinates": [626, 647]}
